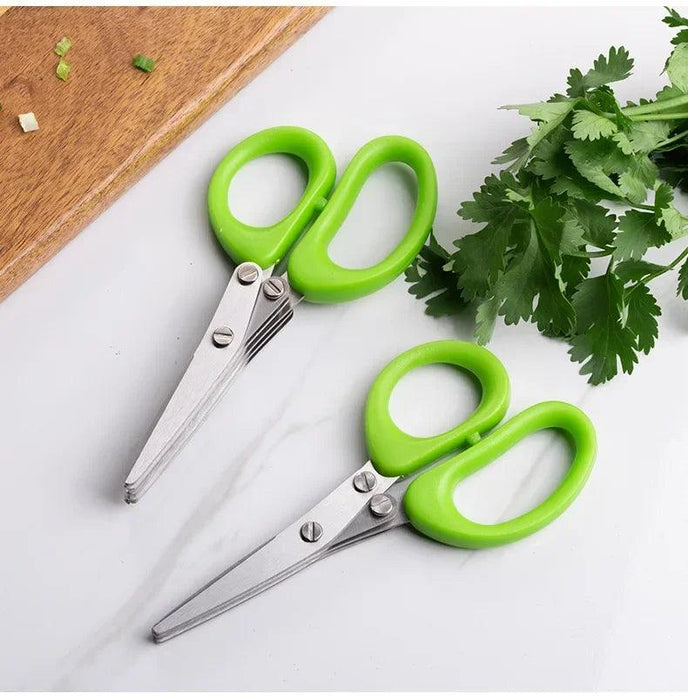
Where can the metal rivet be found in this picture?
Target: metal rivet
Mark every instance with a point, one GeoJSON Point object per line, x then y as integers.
{"type": "Point", "coordinates": [381, 505]}
{"type": "Point", "coordinates": [223, 336]}
{"type": "Point", "coordinates": [311, 531]}
{"type": "Point", "coordinates": [247, 273]}
{"type": "Point", "coordinates": [273, 288]}
{"type": "Point", "coordinates": [364, 482]}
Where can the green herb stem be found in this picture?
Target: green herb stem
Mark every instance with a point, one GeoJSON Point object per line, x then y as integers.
{"type": "Point", "coordinates": [655, 107]}
{"type": "Point", "coordinates": [673, 139]}
{"type": "Point", "coordinates": [671, 266]}
{"type": "Point", "coordinates": [668, 116]}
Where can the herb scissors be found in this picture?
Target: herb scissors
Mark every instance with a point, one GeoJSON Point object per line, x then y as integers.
{"type": "Point", "coordinates": [383, 493]}
{"type": "Point", "coordinates": [258, 303]}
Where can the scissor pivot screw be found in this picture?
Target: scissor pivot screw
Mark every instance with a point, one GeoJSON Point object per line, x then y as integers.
{"type": "Point", "coordinates": [381, 505]}
{"type": "Point", "coordinates": [247, 273]}
{"type": "Point", "coordinates": [364, 482]}
{"type": "Point", "coordinates": [273, 288]}
{"type": "Point", "coordinates": [222, 336]}
{"type": "Point", "coordinates": [311, 531]}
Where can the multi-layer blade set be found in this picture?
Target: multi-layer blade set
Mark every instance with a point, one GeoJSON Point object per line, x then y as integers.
{"type": "Point", "coordinates": [255, 307]}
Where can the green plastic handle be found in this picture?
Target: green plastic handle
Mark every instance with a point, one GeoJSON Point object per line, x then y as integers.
{"type": "Point", "coordinates": [429, 500]}
{"type": "Point", "coordinates": [267, 245]}
{"type": "Point", "coordinates": [395, 452]}
{"type": "Point", "coordinates": [311, 270]}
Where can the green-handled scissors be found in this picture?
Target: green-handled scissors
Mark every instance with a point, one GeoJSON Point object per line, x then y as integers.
{"type": "Point", "coordinates": [383, 493]}
{"type": "Point", "coordinates": [258, 304]}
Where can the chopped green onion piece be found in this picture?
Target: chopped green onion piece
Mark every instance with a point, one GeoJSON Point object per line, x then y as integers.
{"type": "Point", "coordinates": [63, 69]}
{"type": "Point", "coordinates": [28, 122]}
{"type": "Point", "coordinates": [63, 45]}
{"type": "Point", "coordinates": [143, 63]}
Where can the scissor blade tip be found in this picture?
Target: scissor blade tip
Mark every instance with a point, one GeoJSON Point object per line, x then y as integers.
{"type": "Point", "coordinates": [130, 495]}
{"type": "Point", "coordinates": [161, 634]}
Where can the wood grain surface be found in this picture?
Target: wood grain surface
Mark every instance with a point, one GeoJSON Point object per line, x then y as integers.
{"type": "Point", "coordinates": [105, 127]}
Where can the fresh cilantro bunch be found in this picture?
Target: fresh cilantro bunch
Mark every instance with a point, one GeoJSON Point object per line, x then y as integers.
{"type": "Point", "coordinates": [547, 214]}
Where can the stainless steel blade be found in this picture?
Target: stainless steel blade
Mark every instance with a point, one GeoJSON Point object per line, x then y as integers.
{"type": "Point", "coordinates": [343, 517]}
{"type": "Point", "coordinates": [270, 313]}
{"type": "Point", "coordinates": [205, 380]}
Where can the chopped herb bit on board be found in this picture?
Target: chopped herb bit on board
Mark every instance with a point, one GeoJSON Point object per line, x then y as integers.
{"type": "Point", "coordinates": [28, 122]}
{"type": "Point", "coordinates": [62, 46]}
{"type": "Point", "coordinates": [63, 69]}
{"type": "Point", "coordinates": [147, 65]}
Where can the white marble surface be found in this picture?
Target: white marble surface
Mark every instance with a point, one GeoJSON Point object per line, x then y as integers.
{"type": "Point", "coordinates": [94, 343]}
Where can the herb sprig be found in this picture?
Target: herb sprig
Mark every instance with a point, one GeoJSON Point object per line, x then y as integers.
{"type": "Point", "coordinates": [548, 214]}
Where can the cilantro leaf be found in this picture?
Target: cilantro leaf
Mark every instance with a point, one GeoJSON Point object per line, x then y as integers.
{"type": "Point", "coordinates": [667, 214]}
{"type": "Point", "coordinates": [638, 230]}
{"type": "Point", "coordinates": [682, 289]}
{"type": "Point", "coordinates": [617, 65]}
{"type": "Point", "coordinates": [535, 272]}
{"type": "Point", "coordinates": [480, 256]}
{"type": "Point", "coordinates": [545, 221]}
{"type": "Point", "coordinates": [598, 224]}
{"type": "Point", "coordinates": [430, 280]}
{"type": "Point", "coordinates": [673, 19]}
{"type": "Point", "coordinates": [576, 83]}
{"type": "Point", "coordinates": [597, 161]}
{"type": "Point", "coordinates": [602, 341]}
{"type": "Point", "coordinates": [644, 137]}
{"type": "Point", "coordinates": [677, 67]}
{"type": "Point", "coordinates": [641, 317]}
{"type": "Point", "coordinates": [549, 115]}
{"type": "Point", "coordinates": [551, 162]}
{"type": "Point", "coordinates": [485, 317]}
{"type": "Point", "coordinates": [591, 126]}
{"type": "Point", "coordinates": [634, 270]}
{"type": "Point", "coordinates": [515, 154]}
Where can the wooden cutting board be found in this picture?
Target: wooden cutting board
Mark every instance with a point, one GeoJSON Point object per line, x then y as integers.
{"type": "Point", "coordinates": [105, 127]}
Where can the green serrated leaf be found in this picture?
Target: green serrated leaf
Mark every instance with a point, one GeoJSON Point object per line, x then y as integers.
{"type": "Point", "coordinates": [429, 280]}
{"type": "Point", "coordinates": [515, 154]}
{"type": "Point", "coordinates": [677, 67]}
{"type": "Point", "coordinates": [490, 204]}
{"type": "Point", "coordinates": [485, 317]}
{"type": "Point", "coordinates": [623, 142]}
{"type": "Point", "coordinates": [634, 270]}
{"type": "Point", "coordinates": [591, 126]}
{"type": "Point", "coordinates": [602, 341]}
{"type": "Point", "coordinates": [549, 116]}
{"type": "Point", "coordinates": [597, 161]}
{"type": "Point", "coordinates": [616, 65]}
{"type": "Point", "coordinates": [674, 19]}
{"type": "Point", "coordinates": [597, 222]}
{"type": "Point", "coordinates": [574, 270]}
{"type": "Point", "coordinates": [682, 289]}
{"type": "Point", "coordinates": [551, 162]}
{"type": "Point", "coordinates": [681, 37]}
{"type": "Point", "coordinates": [642, 312]}
{"type": "Point", "coordinates": [480, 259]}
{"type": "Point", "coordinates": [638, 231]}
{"type": "Point", "coordinates": [667, 214]}
{"type": "Point", "coordinates": [644, 137]}
{"type": "Point", "coordinates": [534, 272]}
{"type": "Point", "coordinates": [543, 111]}
{"type": "Point", "coordinates": [669, 92]}
{"type": "Point", "coordinates": [576, 83]}
{"type": "Point", "coordinates": [518, 285]}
